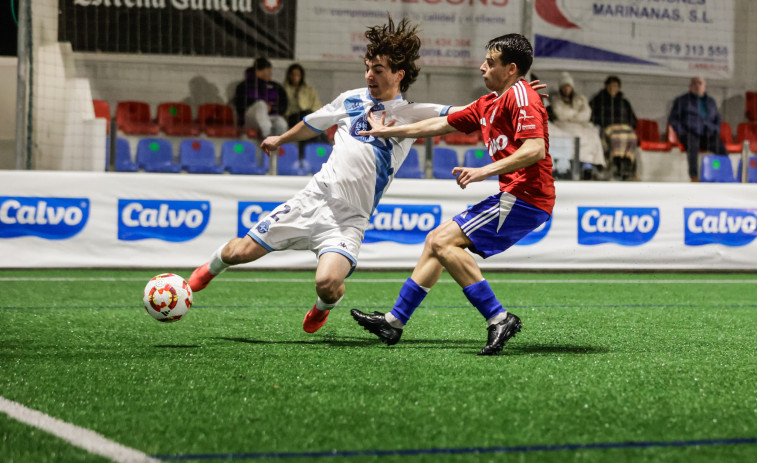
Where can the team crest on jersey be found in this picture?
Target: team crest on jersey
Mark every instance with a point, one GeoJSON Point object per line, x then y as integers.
{"type": "Point", "coordinates": [264, 226]}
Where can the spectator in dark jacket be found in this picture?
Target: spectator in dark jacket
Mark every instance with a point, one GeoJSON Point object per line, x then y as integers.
{"type": "Point", "coordinates": [615, 116]}
{"type": "Point", "coordinates": [260, 102]}
{"type": "Point", "coordinates": [696, 120]}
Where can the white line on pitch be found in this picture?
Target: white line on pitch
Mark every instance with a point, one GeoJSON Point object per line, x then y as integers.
{"type": "Point", "coordinates": [80, 437]}
{"type": "Point", "coordinates": [402, 280]}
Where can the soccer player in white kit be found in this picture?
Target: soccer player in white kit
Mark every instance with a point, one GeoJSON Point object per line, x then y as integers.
{"type": "Point", "coordinates": [330, 215]}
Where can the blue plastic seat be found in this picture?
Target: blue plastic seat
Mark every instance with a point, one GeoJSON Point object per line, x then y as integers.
{"type": "Point", "coordinates": [444, 160]}
{"type": "Point", "coordinates": [477, 158]}
{"type": "Point", "coordinates": [123, 156]}
{"type": "Point", "coordinates": [198, 157]}
{"type": "Point", "coordinates": [751, 170]}
{"type": "Point", "coordinates": [411, 168]}
{"type": "Point", "coordinates": [240, 157]}
{"type": "Point", "coordinates": [316, 154]}
{"type": "Point", "coordinates": [156, 155]}
{"type": "Point", "coordinates": [288, 161]}
{"type": "Point", "coordinates": [716, 168]}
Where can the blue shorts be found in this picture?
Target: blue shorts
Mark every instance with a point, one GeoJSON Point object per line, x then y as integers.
{"type": "Point", "coordinates": [498, 222]}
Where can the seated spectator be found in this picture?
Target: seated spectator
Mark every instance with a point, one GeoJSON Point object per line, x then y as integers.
{"type": "Point", "coordinates": [260, 102]}
{"type": "Point", "coordinates": [617, 121]}
{"type": "Point", "coordinates": [696, 120]}
{"type": "Point", "coordinates": [572, 119]}
{"type": "Point", "coordinates": [303, 98]}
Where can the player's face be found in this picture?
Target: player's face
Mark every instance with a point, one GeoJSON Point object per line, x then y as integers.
{"type": "Point", "coordinates": [497, 76]}
{"type": "Point", "coordinates": [383, 84]}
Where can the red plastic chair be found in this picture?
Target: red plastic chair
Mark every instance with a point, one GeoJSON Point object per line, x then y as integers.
{"type": "Point", "coordinates": [751, 106]}
{"type": "Point", "coordinates": [673, 138]}
{"type": "Point", "coordinates": [726, 135]}
{"type": "Point", "coordinates": [648, 134]}
{"type": "Point", "coordinates": [176, 119]}
{"type": "Point", "coordinates": [747, 131]}
{"type": "Point", "coordinates": [133, 118]}
{"type": "Point", "coordinates": [102, 110]}
{"type": "Point", "coordinates": [217, 120]}
{"type": "Point", "coordinates": [422, 141]}
{"type": "Point", "coordinates": [459, 138]}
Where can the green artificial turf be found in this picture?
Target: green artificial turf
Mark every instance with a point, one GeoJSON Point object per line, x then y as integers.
{"type": "Point", "coordinates": [602, 359]}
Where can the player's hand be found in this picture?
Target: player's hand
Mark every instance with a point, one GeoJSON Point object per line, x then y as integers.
{"type": "Point", "coordinates": [271, 144]}
{"type": "Point", "coordinates": [537, 85]}
{"type": "Point", "coordinates": [467, 175]}
{"type": "Point", "coordinates": [378, 127]}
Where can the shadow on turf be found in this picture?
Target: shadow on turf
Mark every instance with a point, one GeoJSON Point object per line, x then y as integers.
{"type": "Point", "coordinates": [177, 346]}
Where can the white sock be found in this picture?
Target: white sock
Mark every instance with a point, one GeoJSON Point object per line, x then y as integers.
{"type": "Point", "coordinates": [323, 306]}
{"type": "Point", "coordinates": [496, 319]}
{"type": "Point", "coordinates": [394, 321]}
{"type": "Point", "coordinates": [216, 264]}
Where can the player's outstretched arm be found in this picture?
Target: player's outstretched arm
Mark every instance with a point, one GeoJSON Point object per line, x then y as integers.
{"type": "Point", "coordinates": [425, 128]}
{"type": "Point", "coordinates": [297, 133]}
{"type": "Point", "coordinates": [531, 151]}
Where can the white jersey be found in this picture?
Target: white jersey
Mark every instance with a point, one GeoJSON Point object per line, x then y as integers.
{"type": "Point", "coordinates": [361, 168]}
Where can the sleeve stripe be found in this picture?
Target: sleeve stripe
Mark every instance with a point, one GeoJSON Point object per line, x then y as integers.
{"type": "Point", "coordinates": [521, 96]}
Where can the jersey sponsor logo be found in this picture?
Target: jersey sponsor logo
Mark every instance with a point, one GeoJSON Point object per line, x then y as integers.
{"type": "Point", "coordinates": [497, 144]}
{"type": "Point", "coordinates": [165, 220]}
{"type": "Point", "coordinates": [522, 117]}
{"type": "Point", "coordinates": [536, 235]}
{"type": "Point", "coordinates": [249, 214]}
{"type": "Point", "coordinates": [626, 226]}
{"type": "Point", "coordinates": [48, 218]}
{"type": "Point", "coordinates": [730, 227]}
{"type": "Point", "coordinates": [402, 223]}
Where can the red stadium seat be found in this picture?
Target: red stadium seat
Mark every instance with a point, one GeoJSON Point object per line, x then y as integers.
{"type": "Point", "coordinates": [217, 120]}
{"type": "Point", "coordinates": [459, 138]}
{"type": "Point", "coordinates": [726, 135]}
{"type": "Point", "coordinates": [649, 136]}
{"type": "Point", "coordinates": [176, 119]}
{"type": "Point", "coordinates": [747, 131]}
{"type": "Point", "coordinates": [751, 106]}
{"type": "Point", "coordinates": [133, 118]}
{"type": "Point", "coordinates": [102, 110]}
{"type": "Point", "coordinates": [673, 138]}
{"type": "Point", "coordinates": [422, 141]}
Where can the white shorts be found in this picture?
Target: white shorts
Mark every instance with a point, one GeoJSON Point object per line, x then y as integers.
{"type": "Point", "coordinates": [314, 221]}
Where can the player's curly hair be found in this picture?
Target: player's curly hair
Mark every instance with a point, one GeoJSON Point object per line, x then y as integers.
{"type": "Point", "coordinates": [400, 44]}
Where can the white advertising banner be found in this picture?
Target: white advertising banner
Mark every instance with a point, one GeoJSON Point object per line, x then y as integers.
{"type": "Point", "coordinates": [453, 32]}
{"type": "Point", "coordinates": [172, 221]}
{"type": "Point", "coordinates": [672, 37]}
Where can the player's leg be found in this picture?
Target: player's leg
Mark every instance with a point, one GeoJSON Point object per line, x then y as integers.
{"type": "Point", "coordinates": [236, 251]}
{"type": "Point", "coordinates": [333, 268]}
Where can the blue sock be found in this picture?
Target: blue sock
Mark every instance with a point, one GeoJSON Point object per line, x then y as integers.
{"type": "Point", "coordinates": [411, 296]}
{"type": "Point", "coordinates": [482, 297]}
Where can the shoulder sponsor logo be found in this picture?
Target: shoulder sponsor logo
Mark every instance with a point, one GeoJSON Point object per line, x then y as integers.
{"type": "Point", "coordinates": [626, 226]}
{"type": "Point", "coordinates": [536, 235]}
{"type": "Point", "coordinates": [48, 218]}
{"type": "Point", "coordinates": [730, 227]}
{"type": "Point", "coordinates": [166, 220]}
{"type": "Point", "coordinates": [249, 214]}
{"type": "Point", "coordinates": [402, 223]}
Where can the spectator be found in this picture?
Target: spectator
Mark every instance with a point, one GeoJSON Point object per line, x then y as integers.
{"type": "Point", "coordinates": [614, 115]}
{"type": "Point", "coordinates": [260, 102]}
{"type": "Point", "coordinates": [573, 119]}
{"type": "Point", "coordinates": [303, 98]}
{"type": "Point", "coordinates": [695, 119]}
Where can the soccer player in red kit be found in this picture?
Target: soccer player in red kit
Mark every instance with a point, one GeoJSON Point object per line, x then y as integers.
{"type": "Point", "coordinates": [514, 124]}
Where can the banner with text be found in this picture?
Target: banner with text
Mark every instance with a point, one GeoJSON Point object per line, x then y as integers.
{"type": "Point", "coordinates": [244, 28]}
{"type": "Point", "coordinates": [175, 221]}
{"type": "Point", "coordinates": [674, 37]}
{"type": "Point", "coordinates": [453, 32]}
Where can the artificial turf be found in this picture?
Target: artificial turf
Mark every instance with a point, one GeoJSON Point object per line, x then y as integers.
{"type": "Point", "coordinates": [622, 367]}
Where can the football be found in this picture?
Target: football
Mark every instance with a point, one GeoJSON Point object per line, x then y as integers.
{"type": "Point", "coordinates": [167, 297]}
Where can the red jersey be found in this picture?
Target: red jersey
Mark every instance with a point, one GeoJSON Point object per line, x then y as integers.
{"type": "Point", "coordinates": [506, 121]}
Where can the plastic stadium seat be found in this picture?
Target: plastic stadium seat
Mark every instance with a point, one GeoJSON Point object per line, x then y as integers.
{"type": "Point", "coordinates": [443, 161]}
{"type": "Point", "coordinates": [133, 118]}
{"type": "Point", "coordinates": [747, 131]}
{"type": "Point", "coordinates": [751, 170]}
{"type": "Point", "coordinates": [176, 119]}
{"type": "Point", "coordinates": [198, 157]}
{"type": "Point", "coordinates": [716, 168]}
{"type": "Point", "coordinates": [288, 161]}
{"type": "Point", "coordinates": [672, 138]}
{"type": "Point", "coordinates": [123, 156]}
{"type": "Point", "coordinates": [316, 154]}
{"type": "Point", "coordinates": [459, 138]}
{"type": "Point", "coordinates": [477, 158]}
{"type": "Point", "coordinates": [217, 120]}
{"type": "Point", "coordinates": [726, 135]}
{"type": "Point", "coordinates": [648, 134]}
{"type": "Point", "coordinates": [422, 141]}
{"type": "Point", "coordinates": [751, 106]}
{"type": "Point", "coordinates": [156, 155]}
{"type": "Point", "coordinates": [253, 133]}
{"type": "Point", "coordinates": [240, 157]}
{"type": "Point", "coordinates": [102, 110]}
{"type": "Point", "coordinates": [411, 168]}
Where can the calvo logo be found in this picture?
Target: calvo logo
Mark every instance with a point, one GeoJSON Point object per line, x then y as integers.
{"type": "Point", "coordinates": [626, 226]}
{"type": "Point", "coordinates": [166, 220]}
{"type": "Point", "coordinates": [48, 218]}
{"type": "Point", "coordinates": [402, 223]}
{"type": "Point", "coordinates": [730, 227]}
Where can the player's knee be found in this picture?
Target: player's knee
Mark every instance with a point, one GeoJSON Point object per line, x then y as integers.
{"type": "Point", "coordinates": [329, 288]}
{"type": "Point", "coordinates": [436, 241]}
